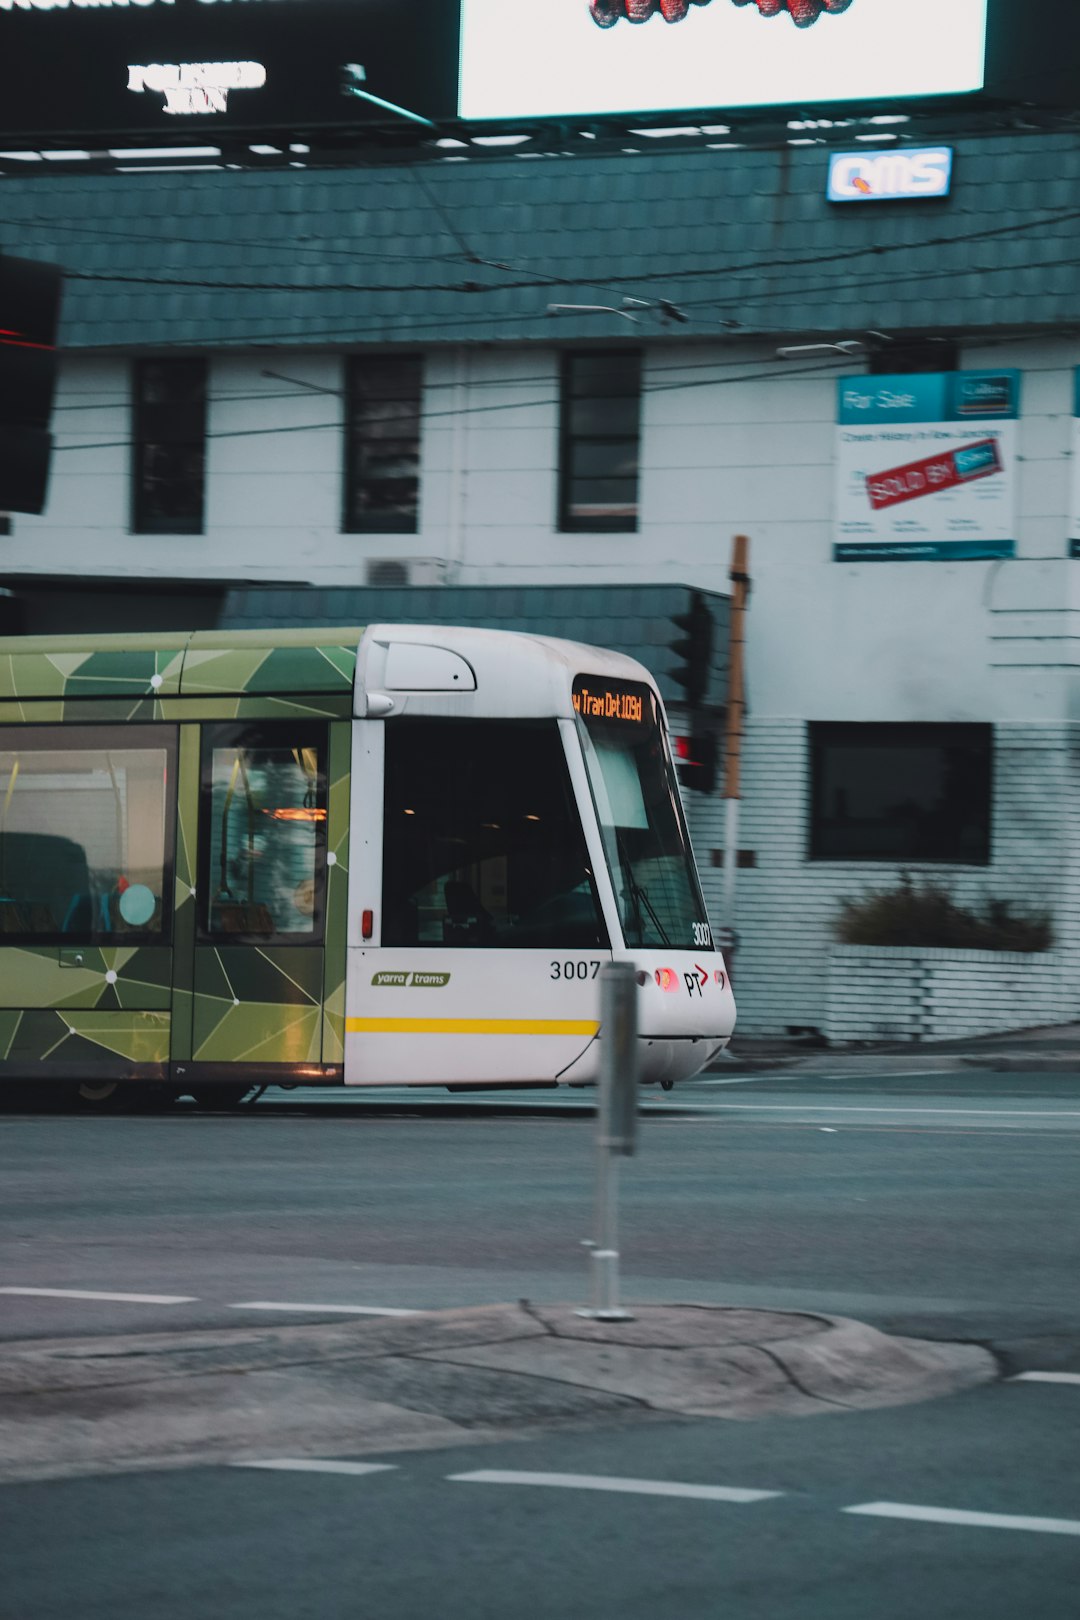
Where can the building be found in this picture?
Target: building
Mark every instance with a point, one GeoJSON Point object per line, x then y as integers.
{"type": "Point", "coordinates": [588, 372]}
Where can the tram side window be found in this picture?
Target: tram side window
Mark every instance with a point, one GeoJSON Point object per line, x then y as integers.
{"type": "Point", "coordinates": [263, 832]}
{"type": "Point", "coordinates": [86, 833]}
{"type": "Point", "coordinates": [483, 841]}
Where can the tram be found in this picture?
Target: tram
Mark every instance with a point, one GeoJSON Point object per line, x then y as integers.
{"type": "Point", "coordinates": [381, 857]}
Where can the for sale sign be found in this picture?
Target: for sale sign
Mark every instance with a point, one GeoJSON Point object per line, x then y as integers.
{"type": "Point", "coordinates": [925, 467]}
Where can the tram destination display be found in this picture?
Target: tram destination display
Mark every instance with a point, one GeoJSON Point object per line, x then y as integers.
{"type": "Point", "coordinates": [94, 71]}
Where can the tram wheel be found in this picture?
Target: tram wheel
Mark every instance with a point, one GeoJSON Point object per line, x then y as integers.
{"type": "Point", "coordinates": [666, 1085]}
{"type": "Point", "coordinates": [224, 1096]}
{"type": "Point", "coordinates": [100, 1094]}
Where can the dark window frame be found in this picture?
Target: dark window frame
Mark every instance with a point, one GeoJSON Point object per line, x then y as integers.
{"type": "Point", "coordinates": [573, 440]}
{"type": "Point", "coordinates": [384, 519]}
{"type": "Point", "coordinates": [167, 431]}
{"type": "Point", "coordinates": [216, 734]}
{"type": "Point", "coordinates": [925, 845]}
{"type": "Point", "coordinates": [91, 738]}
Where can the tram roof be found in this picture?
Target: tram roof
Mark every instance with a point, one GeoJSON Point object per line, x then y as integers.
{"type": "Point", "coordinates": [202, 663]}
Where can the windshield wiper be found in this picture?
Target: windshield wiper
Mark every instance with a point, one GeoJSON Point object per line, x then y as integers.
{"type": "Point", "coordinates": [640, 898]}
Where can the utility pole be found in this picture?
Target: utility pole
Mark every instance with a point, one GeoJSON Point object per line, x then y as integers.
{"type": "Point", "coordinates": [733, 733]}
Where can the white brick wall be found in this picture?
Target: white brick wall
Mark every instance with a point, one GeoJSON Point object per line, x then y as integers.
{"type": "Point", "coordinates": [786, 904]}
{"type": "Point", "coordinates": [904, 995]}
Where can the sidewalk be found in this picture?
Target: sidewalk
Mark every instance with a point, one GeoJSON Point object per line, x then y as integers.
{"type": "Point", "coordinates": [1051, 1050]}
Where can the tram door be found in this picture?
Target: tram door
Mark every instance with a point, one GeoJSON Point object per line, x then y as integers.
{"type": "Point", "coordinates": [486, 937]}
{"type": "Point", "coordinates": [255, 793]}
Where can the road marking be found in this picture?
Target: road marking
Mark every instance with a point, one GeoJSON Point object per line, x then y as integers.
{"type": "Point", "coordinates": [90, 1293]}
{"type": "Point", "coordinates": [604, 1482]}
{"type": "Point", "coordinates": [987, 1521]}
{"type": "Point", "coordinates": [341, 1310]}
{"type": "Point", "coordinates": [315, 1465]}
{"type": "Point", "coordinates": [1045, 1378]}
{"type": "Point", "coordinates": [896, 1108]}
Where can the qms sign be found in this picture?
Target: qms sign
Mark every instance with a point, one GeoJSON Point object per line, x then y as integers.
{"type": "Point", "coordinates": [894, 176]}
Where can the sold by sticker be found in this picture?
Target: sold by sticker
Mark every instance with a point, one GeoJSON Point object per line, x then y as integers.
{"type": "Point", "coordinates": [944, 471]}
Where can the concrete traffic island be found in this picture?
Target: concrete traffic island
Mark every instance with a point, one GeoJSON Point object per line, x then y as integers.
{"type": "Point", "coordinates": [441, 1378]}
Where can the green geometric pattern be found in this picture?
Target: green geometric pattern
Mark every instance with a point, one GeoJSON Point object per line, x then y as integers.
{"type": "Point", "coordinates": [36, 1036]}
{"type": "Point", "coordinates": [254, 1005]}
{"type": "Point", "coordinates": [234, 1004]}
{"type": "Point", "coordinates": [116, 977]}
{"type": "Point", "coordinates": [145, 670]}
{"type": "Point", "coordinates": [337, 883]}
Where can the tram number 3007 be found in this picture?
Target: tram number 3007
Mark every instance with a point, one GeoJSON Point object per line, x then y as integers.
{"type": "Point", "coordinates": [574, 970]}
{"type": "Point", "coordinates": [702, 934]}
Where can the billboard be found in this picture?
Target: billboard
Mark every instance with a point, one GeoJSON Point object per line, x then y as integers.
{"type": "Point", "coordinates": [926, 466]}
{"type": "Point", "coordinates": [559, 58]}
{"type": "Point", "coordinates": [107, 69]}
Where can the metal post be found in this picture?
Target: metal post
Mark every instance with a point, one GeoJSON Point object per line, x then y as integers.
{"type": "Point", "coordinates": [616, 1116]}
{"type": "Point", "coordinates": [733, 738]}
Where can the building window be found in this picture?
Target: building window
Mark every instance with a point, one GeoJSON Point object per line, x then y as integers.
{"type": "Point", "coordinates": [901, 793]}
{"type": "Point", "coordinates": [599, 437]}
{"type": "Point", "coordinates": [382, 444]}
{"type": "Point", "coordinates": [927, 354]}
{"type": "Point", "coordinates": [169, 433]}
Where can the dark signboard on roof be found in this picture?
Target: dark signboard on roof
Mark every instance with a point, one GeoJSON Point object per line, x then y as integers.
{"type": "Point", "coordinates": [95, 71]}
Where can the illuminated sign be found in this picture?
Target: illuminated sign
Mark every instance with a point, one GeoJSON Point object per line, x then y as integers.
{"type": "Point", "coordinates": [101, 70]}
{"type": "Point", "coordinates": [625, 702]}
{"type": "Point", "coordinates": [537, 58]}
{"type": "Point", "coordinates": [893, 176]}
{"type": "Point", "coordinates": [197, 87]}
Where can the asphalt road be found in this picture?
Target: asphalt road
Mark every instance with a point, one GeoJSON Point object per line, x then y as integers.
{"type": "Point", "coordinates": [963, 1508]}
{"type": "Point", "coordinates": [936, 1205]}
{"type": "Point", "coordinates": [942, 1206]}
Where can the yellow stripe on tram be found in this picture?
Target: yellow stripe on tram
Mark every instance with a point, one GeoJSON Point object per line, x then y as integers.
{"type": "Point", "coordinates": [471, 1026]}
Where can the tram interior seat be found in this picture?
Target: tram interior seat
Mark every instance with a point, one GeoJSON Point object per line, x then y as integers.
{"type": "Point", "coordinates": [44, 885]}
{"type": "Point", "coordinates": [241, 917]}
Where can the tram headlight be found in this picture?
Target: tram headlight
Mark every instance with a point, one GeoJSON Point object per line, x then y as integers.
{"type": "Point", "coordinates": [667, 978]}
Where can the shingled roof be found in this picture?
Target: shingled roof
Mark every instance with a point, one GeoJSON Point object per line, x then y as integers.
{"type": "Point", "coordinates": [743, 241]}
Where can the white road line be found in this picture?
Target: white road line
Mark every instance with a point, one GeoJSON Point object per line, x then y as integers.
{"type": "Point", "coordinates": [987, 1521]}
{"type": "Point", "coordinates": [896, 1108]}
{"type": "Point", "coordinates": [90, 1293]}
{"type": "Point", "coordinates": [341, 1310]}
{"type": "Point", "coordinates": [604, 1482]}
{"type": "Point", "coordinates": [1045, 1378]}
{"type": "Point", "coordinates": [316, 1465]}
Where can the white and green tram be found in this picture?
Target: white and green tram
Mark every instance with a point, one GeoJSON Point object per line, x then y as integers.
{"type": "Point", "coordinates": [396, 856]}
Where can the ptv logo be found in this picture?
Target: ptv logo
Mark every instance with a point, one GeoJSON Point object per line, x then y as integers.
{"type": "Point", "coordinates": [695, 982]}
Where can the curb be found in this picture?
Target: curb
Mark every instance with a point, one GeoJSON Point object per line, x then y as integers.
{"type": "Point", "coordinates": [93, 1406]}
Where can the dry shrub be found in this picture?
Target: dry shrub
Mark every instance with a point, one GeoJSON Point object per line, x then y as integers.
{"type": "Point", "coordinates": [926, 914]}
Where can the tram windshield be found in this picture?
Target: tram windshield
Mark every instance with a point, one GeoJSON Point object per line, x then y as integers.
{"type": "Point", "coordinates": [637, 803]}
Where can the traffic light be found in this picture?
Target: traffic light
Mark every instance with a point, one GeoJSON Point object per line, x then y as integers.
{"type": "Point", "coordinates": [695, 759]}
{"type": "Point", "coordinates": [694, 649]}
{"type": "Point", "coordinates": [29, 312]}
